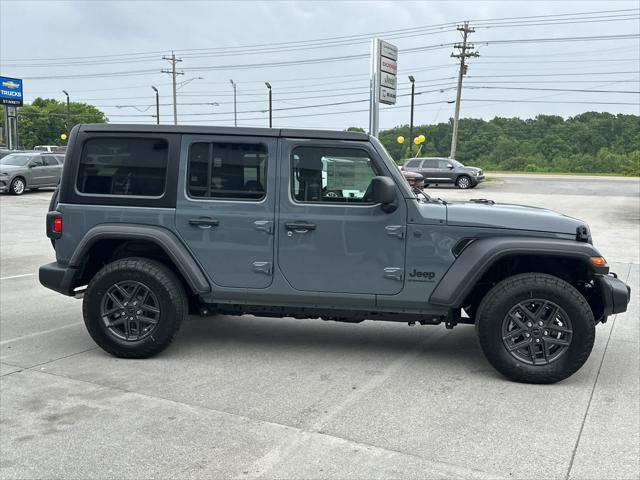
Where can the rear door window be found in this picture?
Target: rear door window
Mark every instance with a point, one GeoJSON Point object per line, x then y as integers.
{"type": "Point", "coordinates": [50, 160]}
{"type": "Point", "coordinates": [413, 164]}
{"type": "Point", "coordinates": [231, 171]}
{"type": "Point", "coordinates": [430, 163]}
{"type": "Point", "coordinates": [123, 166]}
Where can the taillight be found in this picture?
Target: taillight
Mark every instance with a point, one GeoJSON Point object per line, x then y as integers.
{"type": "Point", "coordinates": [54, 225]}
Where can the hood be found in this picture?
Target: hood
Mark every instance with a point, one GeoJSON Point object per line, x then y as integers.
{"type": "Point", "coordinates": [517, 217]}
{"type": "Point", "coordinates": [11, 168]}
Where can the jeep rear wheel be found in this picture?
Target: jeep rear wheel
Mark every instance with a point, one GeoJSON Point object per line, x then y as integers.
{"type": "Point", "coordinates": [134, 307]}
{"type": "Point", "coordinates": [535, 328]}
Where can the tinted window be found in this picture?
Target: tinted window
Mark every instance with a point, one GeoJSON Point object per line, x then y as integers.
{"type": "Point", "coordinates": [412, 163]}
{"type": "Point", "coordinates": [123, 166]}
{"type": "Point", "coordinates": [60, 158]}
{"type": "Point", "coordinates": [227, 170]}
{"type": "Point", "coordinates": [444, 163]}
{"type": "Point", "coordinates": [325, 174]}
{"type": "Point", "coordinates": [50, 160]}
{"type": "Point", "coordinates": [430, 163]}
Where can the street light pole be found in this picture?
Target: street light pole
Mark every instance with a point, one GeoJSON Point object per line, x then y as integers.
{"type": "Point", "coordinates": [413, 91]}
{"type": "Point", "coordinates": [157, 105]}
{"type": "Point", "coordinates": [235, 111]}
{"type": "Point", "coordinates": [67, 121]}
{"type": "Point", "coordinates": [270, 110]}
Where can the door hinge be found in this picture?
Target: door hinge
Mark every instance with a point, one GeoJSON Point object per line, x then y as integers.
{"type": "Point", "coordinates": [262, 267]}
{"type": "Point", "coordinates": [396, 230]}
{"type": "Point", "coordinates": [394, 273]}
{"type": "Point", "coordinates": [264, 225]}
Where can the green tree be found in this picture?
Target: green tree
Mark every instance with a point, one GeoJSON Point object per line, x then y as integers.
{"type": "Point", "coordinates": [42, 122]}
{"type": "Point", "coordinates": [592, 142]}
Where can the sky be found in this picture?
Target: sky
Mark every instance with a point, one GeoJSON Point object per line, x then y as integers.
{"type": "Point", "coordinates": [534, 55]}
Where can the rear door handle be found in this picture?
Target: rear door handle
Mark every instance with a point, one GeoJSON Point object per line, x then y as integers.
{"type": "Point", "coordinates": [300, 227]}
{"type": "Point", "coordinates": [204, 222]}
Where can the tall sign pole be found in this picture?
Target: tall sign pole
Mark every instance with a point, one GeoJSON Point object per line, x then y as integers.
{"type": "Point", "coordinates": [10, 98]}
{"type": "Point", "coordinates": [383, 80]}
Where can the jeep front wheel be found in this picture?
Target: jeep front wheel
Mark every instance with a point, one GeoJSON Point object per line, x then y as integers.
{"type": "Point", "coordinates": [134, 307]}
{"type": "Point", "coordinates": [535, 328]}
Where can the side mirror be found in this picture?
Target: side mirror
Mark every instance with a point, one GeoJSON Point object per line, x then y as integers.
{"type": "Point", "coordinates": [31, 165]}
{"type": "Point", "coordinates": [449, 166]}
{"type": "Point", "coordinates": [383, 191]}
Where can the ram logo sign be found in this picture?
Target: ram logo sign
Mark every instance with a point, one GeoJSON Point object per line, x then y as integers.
{"type": "Point", "coordinates": [10, 91]}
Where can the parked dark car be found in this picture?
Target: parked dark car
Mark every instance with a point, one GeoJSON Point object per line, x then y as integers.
{"type": "Point", "coordinates": [438, 171]}
{"type": "Point", "coordinates": [33, 170]}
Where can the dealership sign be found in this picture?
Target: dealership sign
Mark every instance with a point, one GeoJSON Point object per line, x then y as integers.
{"type": "Point", "coordinates": [10, 91]}
{"type": "Point", "coordinates": [388, 71]}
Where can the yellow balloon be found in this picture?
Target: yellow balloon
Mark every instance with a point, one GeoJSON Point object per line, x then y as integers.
{"type": "Point", "coordinates": [422, 138]}
{"type": "Point", "coordinates": [400, 139]}
{"type": "Point", "coordinates": [417, 141]}
{"type": "Point", "coordinates": [63, 136]}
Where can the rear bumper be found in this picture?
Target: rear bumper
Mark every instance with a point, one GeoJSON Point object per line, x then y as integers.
{"type": "Point", "coordinates": [615, 294]}
{"type": "Point", "coordinates": [58, 278]}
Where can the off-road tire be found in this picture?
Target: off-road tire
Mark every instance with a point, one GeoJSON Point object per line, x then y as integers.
{"type": "Point", "coordinates": [156, 277]}
{"type": "Point", "coordinates": [15, 189]}
{"type": "Point", "coordinates": [463, 182]}
{"type": "Point", "coordinates": [502, 297]}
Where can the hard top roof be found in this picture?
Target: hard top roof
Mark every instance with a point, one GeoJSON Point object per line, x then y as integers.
{"type": "Point", "coordinates": [202, 130]}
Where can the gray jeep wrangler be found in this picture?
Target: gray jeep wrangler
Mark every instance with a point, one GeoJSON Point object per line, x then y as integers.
{"type": "Point", "coordinates": [152, 223]}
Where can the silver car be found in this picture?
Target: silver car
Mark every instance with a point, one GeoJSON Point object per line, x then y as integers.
{"type": "Point", "coordinates": [33, 170]}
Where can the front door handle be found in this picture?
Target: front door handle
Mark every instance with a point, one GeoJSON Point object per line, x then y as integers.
{"type": "Point", "coordinates": [300, 227]}
{"type": "Point", "coordinates": [204, 222]}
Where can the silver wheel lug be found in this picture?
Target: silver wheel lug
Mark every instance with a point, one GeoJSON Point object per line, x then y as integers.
{"type": "Point", "coordinates": [537, 340]}
{"type": "Point", "coordinates": [125, 304]}
{"type": "Point", "coordinates": [138, 312]}
{"type": "Point", "coordinates": [540, 323]}
{"type": "Point", "coordinates": [546, 332]}
{"type": "Point", "coordinates": [527, 334]}
{"type": "Point", "coordinates": [529, 324]}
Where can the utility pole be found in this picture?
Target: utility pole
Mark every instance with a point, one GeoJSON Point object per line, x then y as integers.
{"type": "Point", "coordinates": [173, 60]}
{"type": "Point", "coordinates": [235, 111]}
{"type": "Point", "coordinates": [157, 105]}
{"type": "Point", "coordinates": [270, 109]}
{"type": "Point", "coordinates": [465, 50]}
{"type": "Point", "coordinates": [413, 91]}
{"type": "Point", "coordinates": [67, 124]}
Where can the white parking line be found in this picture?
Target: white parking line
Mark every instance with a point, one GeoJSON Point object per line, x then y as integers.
{"type": "Point", "coordinates": [17, 276]}
{"type": "Point", "coordinates": [36, 334]}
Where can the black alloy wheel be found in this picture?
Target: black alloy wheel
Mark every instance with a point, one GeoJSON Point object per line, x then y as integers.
{"type": "Point", "coordinates": [536, 332]}
{"type": "Point", "coordinates": [130, 310]}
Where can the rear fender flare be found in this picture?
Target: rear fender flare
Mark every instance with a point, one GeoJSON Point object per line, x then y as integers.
{"type": "Point", "coordinates": [166, 240]}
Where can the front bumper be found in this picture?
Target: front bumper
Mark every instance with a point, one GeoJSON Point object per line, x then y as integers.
{"type": "Point", "coordinates": [58, 278]}
{"type": "Point", "coordinates": [477, 179]}
{"type": "Point", "coordinates": [615, 294]}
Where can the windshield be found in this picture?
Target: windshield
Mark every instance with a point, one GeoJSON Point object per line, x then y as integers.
{"type": "Point", "coordinates": [16, 159]}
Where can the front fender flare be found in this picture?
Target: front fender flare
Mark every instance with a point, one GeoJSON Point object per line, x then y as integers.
{"type": "Point", "coordinates": [481, 254]}
{"type": "Point", "coordinates": [170, 244]}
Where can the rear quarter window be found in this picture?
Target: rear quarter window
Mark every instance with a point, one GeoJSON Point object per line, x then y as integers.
{"type": "Point", "coordinates": [123, 166]}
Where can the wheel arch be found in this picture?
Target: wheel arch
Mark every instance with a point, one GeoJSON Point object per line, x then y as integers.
{"type": "Point", "coordinates": [109, 242]}
{"type": "Point", "coordinates": [486, 261]}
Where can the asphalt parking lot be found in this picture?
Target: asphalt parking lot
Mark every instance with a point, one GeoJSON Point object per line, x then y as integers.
{"type": "Point", "coordinates": [281, 398]}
